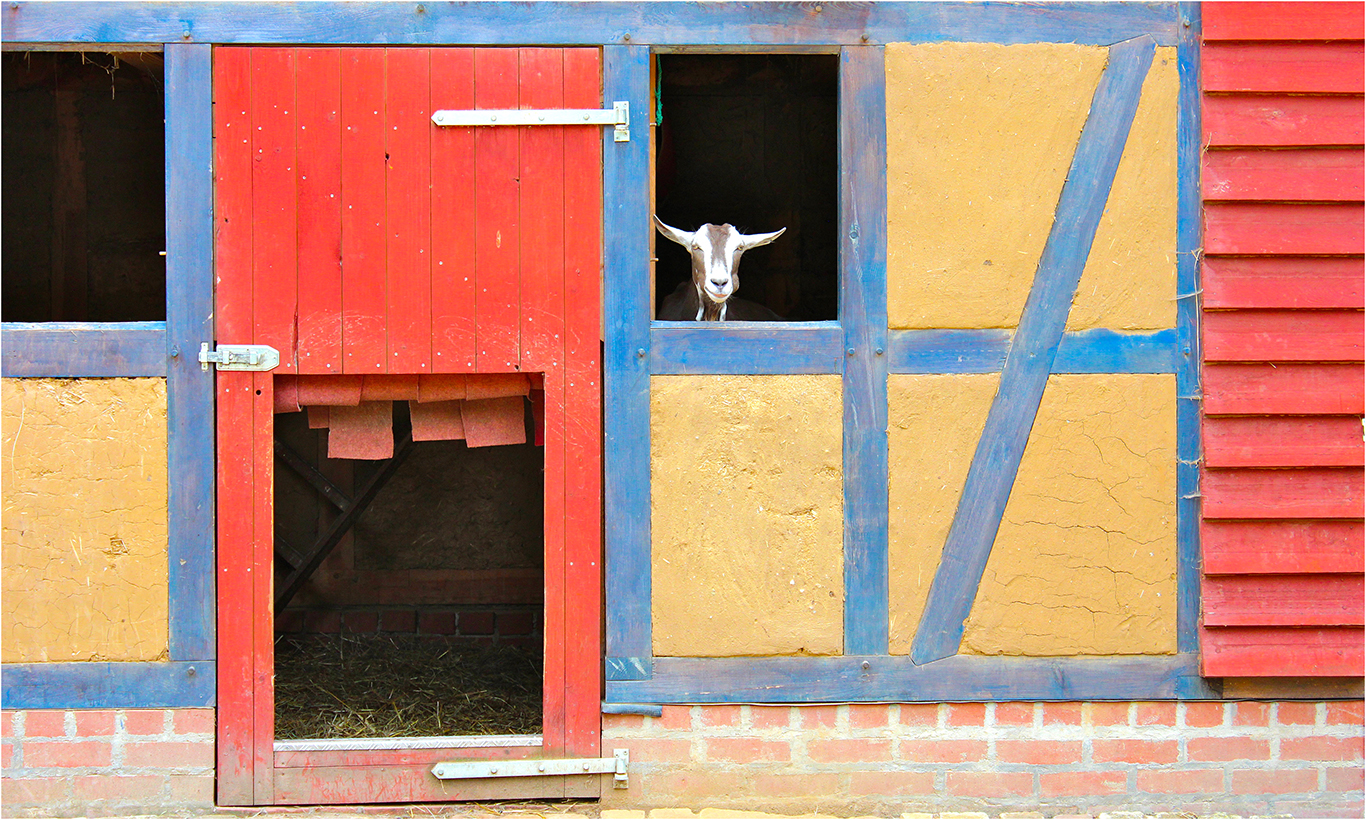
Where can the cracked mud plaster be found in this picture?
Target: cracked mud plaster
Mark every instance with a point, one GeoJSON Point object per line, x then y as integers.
{"type": "Point", "coordinates": [1129, 282]}
{"type": "Point", "coordinates": [934, 423]}
{"type": "Point", "coordinates": [979, 140]}
{"type": "Point", "coordinates": [84, 520]}
{"type": "Point", "coordinates": [747, 515]}
{"type": "Point", "coordinates": [1085, 560]}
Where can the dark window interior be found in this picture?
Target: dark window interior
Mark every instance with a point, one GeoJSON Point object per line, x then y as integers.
{"type": "Point", "coordinates": [752, 139]}
{"type": "Point", "coordinates": [84, 206]}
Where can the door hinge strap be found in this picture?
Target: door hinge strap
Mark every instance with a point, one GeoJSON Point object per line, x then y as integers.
{"type": "Point", "coordinates": [619, 116]}
{"type": "Point", "coordinates": [460, 769]}
{"type": "Point", "coordinates": [239, 357]}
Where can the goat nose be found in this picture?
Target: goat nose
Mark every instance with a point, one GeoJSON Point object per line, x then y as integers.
{"type": "Point", "coordinates": [720, 283]}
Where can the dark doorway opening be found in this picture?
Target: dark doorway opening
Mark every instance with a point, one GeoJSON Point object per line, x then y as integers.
{"type": "Point", "coordinates": [426, 620]}
{"type": "Point", "coordinates": [752, 140]}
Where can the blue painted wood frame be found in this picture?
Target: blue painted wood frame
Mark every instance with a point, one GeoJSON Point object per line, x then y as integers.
{"type": "Point", "coordinates": [1032, 352]}
{"type": "Point", "coordinates": [73, 350]}
{"type": "Point", "coordinates": [1188, 407]}
{"type": "Point", "coordinates": [188, 679]}
{"type": "Point", "coordinates": [762, 348]}
{"type": "Point", "coordinates": [626, 366]}
{"type": "Point", "coordinates": [863, 314]}
{"type": "Point", "coordinates": [547, 23]}
{"type": "Point", "coordinates": [984, 351]}
{"type": "Point", "coordinates": [881, 678]}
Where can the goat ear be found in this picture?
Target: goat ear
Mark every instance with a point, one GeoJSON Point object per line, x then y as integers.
{"type": "Point", "coordinates": [754, 240]}
{"type": "Point", "coordinates": [683, 238]}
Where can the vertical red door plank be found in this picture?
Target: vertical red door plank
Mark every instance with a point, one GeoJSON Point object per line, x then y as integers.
{"type": "Point", "coordinates": [363, 210]}
{"type": "Point", "coordinates": [275, 241]}
{"type": "Point", "coordinates": [497, 283]}
{"type": "Point", "coordinates": [260, 573]}
{"type": "Point", "coordinates": [453, 215]}
{"type": "Point", "coordinates": [583, 414]}
{"type": "Point", "coordinates": [319, 185]}
{"type": "Point", "coordinates": [542, 206]}
{"type": "Point", "coordinates": [556, 602]}
{"type": "Point", "coordinates": [232, 166]}
{"type": "Point", "coordinates": [407, 132]}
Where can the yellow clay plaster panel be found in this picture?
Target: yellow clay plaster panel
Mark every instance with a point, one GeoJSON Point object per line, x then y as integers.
{"type": "Point", "coordinates": [1085, 560]}
{"type": "Point", "coordinates": [979, 140]}
{"type": "Point", "coordinates": [84, 509]}
{"type": "Point", "coordinates": [1130, 278]}
{"type": "Point", "coordinates": [747, 515]}
{"type": "Point", "coordinates": [934, 423]}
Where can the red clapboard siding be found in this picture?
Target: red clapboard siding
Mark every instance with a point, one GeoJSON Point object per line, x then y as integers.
{"type": "Point", "coordinates": [1249, 228]}
{"type": "Point", "coordinates": [1282, 282]}
{"type": "Point", "coordinates": [1283, 336]}
{"type": "Point", "coordinates": [1275, 120]}
{"type": "Point", "coordinates": [1281, 21]}
{"type": "Point", "coordinates": [1277, 650]}
{"type": "Point", "coordinates": [1304, 174]}
{"type": "Point", "coordinates": [1281, 600]}
{"type": "Point", "coordinates": [1311, 492]}
{"type": "Point", "coordinates": [1234, 547]}
{"type": "Point", "coordinates": [1288, 389]}
{"type": "Point", "coordinates": [1289, 67]}
{"type": "Point", "coordinates": [1284, 441]}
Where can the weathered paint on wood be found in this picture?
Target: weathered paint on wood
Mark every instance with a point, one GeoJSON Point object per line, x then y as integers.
{"type": "Point", "coordinates": [1284, 441]}
{"type": "Point", "coordinates": [863, 315]}
{"type": "Point", "coordinates": [1249, 228]}
{"type": "Point", "coordinates": [1283, 600]}
{"type": "Point", "coordinates": [1283, 67]}
{"type": "Point", "coordinates": [1257, 650]}
{"type": "Point", "coordinates": [746, 347]}
{"type": "Point", "coordinates": [882, 678]}
{"type": "Point", "coordinates": [1284, 336]}
{"type": "Point", "coordinates": [578, 23]}
{"type": "Point", "coordinates": [1283, 389]}
{"type": "Point", "coordinates": [1308, 174]}
{"type": "Point", "coordinates": [1310, 492]}
{"type": "Point", "coordinates": [1274, 120]}
{"type": "Point", "coordinates": [1283, 21]}
{"type": "Point", "coordinates": [1002, 444]}
{"type": "Point", "coordinates": [1268, 547]}
{"type": "Point", "coordinates": [1304, 282]}
{"type": "Point", "coordinates": [189, 321]}
{"type": "Point", "coordinates": [84, 349]}
{"type": "Point", "coordinates": [984, 351]}
{"type": "Point", "coordinates": [170, 685]}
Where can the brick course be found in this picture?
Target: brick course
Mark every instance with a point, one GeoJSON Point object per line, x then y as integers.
{"type": "Point", "coordinates": [1040, 759]}
{"type": "Point", "coordinates": [66, 763]}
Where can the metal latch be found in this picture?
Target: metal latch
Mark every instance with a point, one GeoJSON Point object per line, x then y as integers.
{"type": "Point", "coordinates": [619, 115]}
{"type": "Point", "coordinates": [460, 770]}
{"type": "Point", "coordinates": [239, 357]}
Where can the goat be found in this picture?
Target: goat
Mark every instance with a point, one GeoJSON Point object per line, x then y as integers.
{"type": "Point", "coordinates": [715, 253]}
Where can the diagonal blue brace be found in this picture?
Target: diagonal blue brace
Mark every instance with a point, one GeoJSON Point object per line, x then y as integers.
{"type": "Point", "coordinates": [1027, 366]}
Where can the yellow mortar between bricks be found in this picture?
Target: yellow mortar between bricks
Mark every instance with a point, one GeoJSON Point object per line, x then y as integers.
{"type": "Point", "coordinates": [83, 467]}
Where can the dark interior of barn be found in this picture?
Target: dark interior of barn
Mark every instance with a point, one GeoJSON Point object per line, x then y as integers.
{"type": "Point", "coordinates": [426, 618]}
{"type": "Point", "coordinates": [84, 203]}
{"type": "Point", "coordinates": [752, 140]}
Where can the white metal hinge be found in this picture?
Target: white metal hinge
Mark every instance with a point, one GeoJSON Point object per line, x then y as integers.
{"type": "Point", "coordinates": [460, 770]}
{"type": "Point", "coordinates": [239, 357]}
{"type": "Point", "coordinates": [619, 116]}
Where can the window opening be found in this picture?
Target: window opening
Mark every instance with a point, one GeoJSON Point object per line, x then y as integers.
{"type": "Point", "coordinates": [84, 202]}
{"type": "Point", "coordinates": [425, 620]}
{"type": "Point", "coordinates": [752, 140]}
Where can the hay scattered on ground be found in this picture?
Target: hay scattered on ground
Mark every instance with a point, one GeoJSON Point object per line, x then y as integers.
{"type": "Point", "coordinates": [355, 686]}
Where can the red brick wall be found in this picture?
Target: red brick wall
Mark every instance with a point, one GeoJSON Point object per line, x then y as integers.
{"type": "Point", "coordinates": [99, 761]}
{"type": "Point", "coordinates": [1246, 759]}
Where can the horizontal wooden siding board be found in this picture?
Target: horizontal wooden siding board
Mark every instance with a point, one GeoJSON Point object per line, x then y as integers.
{"type": "Point", "coordinates": [1313, 492]}
{"type": "Point", "coordinates": [1256, 651]}
{"type": "Point", "coordinates": [1284, 441]}
{"type": "Point", "coordinates": [1284, 389]}
{"type": "Point", "coordinates": [1282, 21]}
{"type": "Point", "coordinates": [1252, 228]}
{"type": "Point", "coordinates": [1283, 336]}
{"type": "Point", "coordinates": [1282, 600]}
{"type": "Point", "coordinates": [1262, 547]}
{"type": "Point", "coordinates": [1275, 120]}
{"type": "Point", "coordinates": [1306, 282]}
{"type": "Point", "coordinates": [1285, 67]}
{"type": "Point", "coordinates": [1301, 174]}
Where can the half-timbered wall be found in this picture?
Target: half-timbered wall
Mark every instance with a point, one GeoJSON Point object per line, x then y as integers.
{"type": "Point", "coordinates": [1282, 271]}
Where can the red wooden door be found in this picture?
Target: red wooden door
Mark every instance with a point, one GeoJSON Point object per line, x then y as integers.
{"type": "Point", "coordinates": [359, 239]}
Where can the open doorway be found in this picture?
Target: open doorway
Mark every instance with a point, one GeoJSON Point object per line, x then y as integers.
{"type": "Point", "coordinates": [752, 140]}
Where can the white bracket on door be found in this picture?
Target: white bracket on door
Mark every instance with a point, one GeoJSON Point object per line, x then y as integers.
{"type": "Point", "coordinates": [239, 357]}
{"type": "Point", "coordinates": [619, 116]}
{"type": "Point", "coordinates": [461, 770]}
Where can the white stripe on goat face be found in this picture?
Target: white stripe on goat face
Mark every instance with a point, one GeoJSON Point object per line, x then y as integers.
{"type": "Point", "coordinates": [716, 248]}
